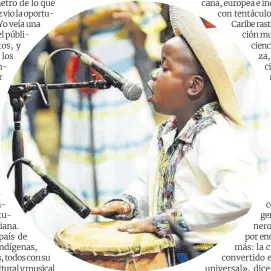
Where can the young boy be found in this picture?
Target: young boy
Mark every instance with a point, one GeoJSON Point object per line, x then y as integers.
{"type": "Point", "coordinates": [197, 171]}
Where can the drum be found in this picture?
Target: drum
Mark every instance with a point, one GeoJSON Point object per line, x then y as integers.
{"type": "Point", "coordinates": [103, 245]}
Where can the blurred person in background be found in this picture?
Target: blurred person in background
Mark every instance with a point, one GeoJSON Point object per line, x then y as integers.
{"type": "Point", "coordinates": [104, 135]}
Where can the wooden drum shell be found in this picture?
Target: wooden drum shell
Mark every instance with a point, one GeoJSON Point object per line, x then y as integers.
{"type": "Point", "coordinates": [103, 245]}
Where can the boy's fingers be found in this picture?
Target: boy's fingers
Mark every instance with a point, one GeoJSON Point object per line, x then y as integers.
{"type": "Point", "coordinates": [112, 208]}
{"type": "Point", "coordinates": [101, 211]}
{"type": "Point", "coordinates": [130, 228]}
{"type": "Point", "coordinates": [126, 227]}
{"type": "Point", "coordinates": [96, 211]}
{"type": "Point", "coordinates": [122, 228]}
{"type": "Point", "coordinates": [135, 230]}
{"type": "Point", "coordinates": [144, 225]}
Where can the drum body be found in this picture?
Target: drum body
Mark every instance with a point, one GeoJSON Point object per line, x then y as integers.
{"type": "Point", "coordinates": [103, 245]}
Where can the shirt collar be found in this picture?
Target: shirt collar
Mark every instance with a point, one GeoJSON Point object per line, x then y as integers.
{"type": "Point", "coordinates": [201, 119]}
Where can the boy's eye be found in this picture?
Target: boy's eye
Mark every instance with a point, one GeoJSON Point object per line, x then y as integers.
{"type": "Point", "coordinates": [164, 69]}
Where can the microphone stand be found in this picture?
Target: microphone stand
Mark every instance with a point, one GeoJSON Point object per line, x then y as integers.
{"type": "Point", "coordinates": [18, 94]}
{"type": "Point", "coordinates": [17, 100]}
{"type": "Point", "coordinates": [84, 47]}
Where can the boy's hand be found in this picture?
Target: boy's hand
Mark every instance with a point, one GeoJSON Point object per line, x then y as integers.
{"type": "Point", "coordinates": [143, 225]}
{"type": "Point", "coordinates": [112, 208]}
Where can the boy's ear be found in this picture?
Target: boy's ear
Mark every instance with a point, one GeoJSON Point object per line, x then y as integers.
{"type": "Point", "coordinates": [196, 86]}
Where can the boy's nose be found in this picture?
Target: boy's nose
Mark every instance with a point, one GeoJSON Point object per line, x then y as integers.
{"type": "Point", "coordinates": [154, 75]}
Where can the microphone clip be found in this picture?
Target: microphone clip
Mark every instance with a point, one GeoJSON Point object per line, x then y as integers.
{"type": "Point", "coordinates": [22, 91]}
{"type": "Point", "coordinates": [30, 203]}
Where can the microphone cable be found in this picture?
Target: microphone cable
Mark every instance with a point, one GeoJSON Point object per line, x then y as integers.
{"type": "Point", "coordinates": [20, 160]}
{"type": "Point", "coordinates": [45, 66]}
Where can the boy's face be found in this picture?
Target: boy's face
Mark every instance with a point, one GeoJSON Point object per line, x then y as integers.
{"type": "Point", "coordinates": [174, 77]}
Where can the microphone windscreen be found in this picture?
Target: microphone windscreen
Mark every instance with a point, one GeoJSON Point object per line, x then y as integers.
{"type": "Point", "coordinates": [131, 91]}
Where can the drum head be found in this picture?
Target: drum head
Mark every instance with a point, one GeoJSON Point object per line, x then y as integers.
{"type": "Point", "coordinates": [105, 240]}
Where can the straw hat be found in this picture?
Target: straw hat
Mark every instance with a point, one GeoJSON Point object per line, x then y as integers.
{"type": "Point", "coordinates": [220, 69]}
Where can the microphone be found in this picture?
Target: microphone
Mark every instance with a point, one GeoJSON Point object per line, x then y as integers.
{"type": "Point", "coordinates": [130, 90]}
{"type": "Point", "coordinates": [66, 195]}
